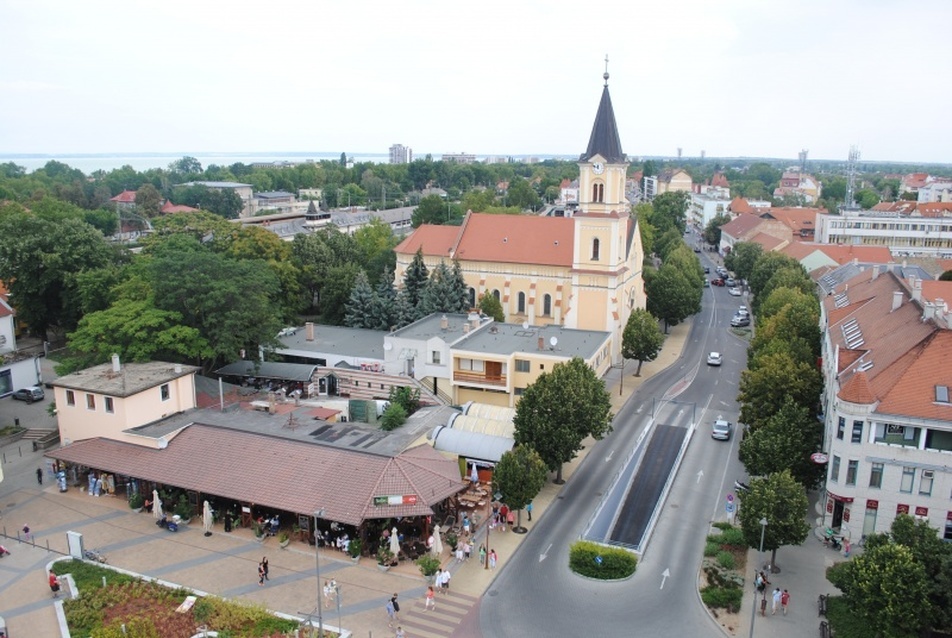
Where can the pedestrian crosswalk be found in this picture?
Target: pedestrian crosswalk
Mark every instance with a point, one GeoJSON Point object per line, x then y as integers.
{"type": "Point", "coordinates": [441, 622]}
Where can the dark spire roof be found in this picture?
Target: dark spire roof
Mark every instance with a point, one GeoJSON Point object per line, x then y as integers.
{"type": "Point", "coordinates": [604, 140]}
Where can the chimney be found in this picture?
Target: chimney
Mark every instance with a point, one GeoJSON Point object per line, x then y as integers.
{"type": "Point", "coordinates": [856, 261]}
{"type": "Point", "coordinates": [116, 367]}
{"type": "Point", "coordinates": [473, 319]}
{"type": "Point", "coordinates": [465, 328]}
{"type": "Point", "coordinates": [917, 289]}
{"type": "Point", "coordinates": [940, 310]}
{"type": "Point", "coordinates": [309, 331]}
{"type": "Point", "coordinates": [541, 343]}
{"type": "Point", "coordinates": [897, 300]}
{"type": "Point", "coordinates": [178, 368]}
{"type": "Point", "coordinates": [875, 272]}
{"type": "Point", "coordinates": [444, 323]}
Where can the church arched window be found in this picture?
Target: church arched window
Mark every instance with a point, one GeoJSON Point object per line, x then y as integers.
{"type": "Point", "coordinates": [521, 303]}
{"type": "Point", "coordinates": [496, 293]}
{"type": "Point", "coordinates": [472, 297]}
{"type": "Point", "coordinates": [598, 193]}
{"type": "Point", "coordinates": [547, 305]}
{"type": "Point", "coordinates": [596, 247]}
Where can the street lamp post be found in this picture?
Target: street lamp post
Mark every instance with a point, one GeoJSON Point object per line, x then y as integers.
{"type": "Point", "coordinates": [317, 565]}
{"type": "Point", "coordinates": [753, 607]}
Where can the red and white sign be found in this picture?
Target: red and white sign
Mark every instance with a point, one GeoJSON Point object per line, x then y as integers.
{"type": "Point", "coordinates": [819, 458]}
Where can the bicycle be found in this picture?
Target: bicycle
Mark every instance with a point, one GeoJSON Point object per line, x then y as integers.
{"type": "Point", "coordinates": [94, 555]}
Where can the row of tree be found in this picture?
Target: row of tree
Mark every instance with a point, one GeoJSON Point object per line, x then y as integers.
{"type": "Point", "coordinates": [779, 397]}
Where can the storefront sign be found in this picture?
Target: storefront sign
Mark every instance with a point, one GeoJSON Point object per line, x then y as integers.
{"type": "Point", "coordinates": [922, 511]}
{"type": "Point", "coordinates": [902, 509]}
{"type": "Point", "coordinates": [871, 504]}
{"type": "Point", "coordinates": [405, 499]}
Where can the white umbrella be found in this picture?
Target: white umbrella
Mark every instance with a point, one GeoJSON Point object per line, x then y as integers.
{"type": "Point", "coordinates": [207, 519]}
{"type": "Point", "coordinates": [474, 475]}
{"type": "Point", "coordinates": [156, 505]}
{"type": "Point", "coordinates": [394, 542]}
{"type": "Point", "coordinates": [437, 548]}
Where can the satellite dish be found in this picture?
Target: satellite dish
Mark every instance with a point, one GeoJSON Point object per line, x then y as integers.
{"type": "Point", "coordinates": [553, 341]}
{"type": "Point", "coordinates": [387, 346]}
{"type": "Point", "coordinates": [525, 325]}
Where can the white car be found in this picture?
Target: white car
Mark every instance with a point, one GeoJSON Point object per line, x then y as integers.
{"type": "Point", "coordinates": [734, 292]}
{"type": "Point", "coordinates": [714, 359]}
{"type": "Point", "coordinates": [721, 430]}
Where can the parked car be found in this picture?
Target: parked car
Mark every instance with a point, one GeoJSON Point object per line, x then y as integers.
{"type": "Point", "coordinates": [740, 321]}
{"type": "Point", "coordinates": [722, 271]}
{"type": "Point", "coordinates": [707, 284]}
{"type": "Point", "coordinates": [707, 270]}
{"type": "Point", "coordinates": [721, 430]}
{"type": "Point", "coordinates": [730, 281]}
{"type": "Point", "coordinates": [31, 394]}
{"type": "Point", "coordinates": [714, 359]}
{"type": "Point", "coordinates": [717, 281]}
{"type": "Point", "coordinates": [734, 292]}
{"type": "Point", "coordinates": [742, 310]}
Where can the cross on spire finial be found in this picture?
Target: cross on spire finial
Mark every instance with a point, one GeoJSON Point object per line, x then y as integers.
{"type": "Point", "coordinates": [606, 70]}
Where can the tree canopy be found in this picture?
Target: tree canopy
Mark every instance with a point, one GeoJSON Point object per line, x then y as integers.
{"type": "Point", "coordinates": [559, 410]}
{"type": "Point", "coordinates": [642, 338]}
{"type": "Point", "coordinates": [673, 296]}
{"type": "Point", "coordinates": [519, 476]}
{"type": "Point", "coordinates": [782, 501]}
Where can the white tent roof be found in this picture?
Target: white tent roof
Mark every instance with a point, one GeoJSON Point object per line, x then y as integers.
{"type": "Point", "coordinates": [473, 445]}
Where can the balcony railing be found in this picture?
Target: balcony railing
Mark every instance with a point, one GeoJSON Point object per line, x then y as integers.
{"type": "Point", "coordinates": [479, 377]}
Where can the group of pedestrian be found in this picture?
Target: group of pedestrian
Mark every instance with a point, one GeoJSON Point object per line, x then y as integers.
{"type": "Point", "coordinates": [263, 571]}
{"type": "Point", "coordinates": [463, 550]}
{"type": "Point", "coordinates": [330, 591]}
{"type": "Point", "coordinates": [779, 598]}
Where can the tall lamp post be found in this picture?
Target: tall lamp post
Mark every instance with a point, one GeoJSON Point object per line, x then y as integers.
{"type": "Point", "coordinates": [753, 608]}
{"type": "Point", "coordinates": [317, 565]}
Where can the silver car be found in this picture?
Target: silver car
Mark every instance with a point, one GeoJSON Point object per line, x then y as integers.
{"type": "Point", "coordinates": [721, 430]}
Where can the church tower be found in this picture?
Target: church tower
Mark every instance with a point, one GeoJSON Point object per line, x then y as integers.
{"type": "Point", "coordinates": [606, 268]}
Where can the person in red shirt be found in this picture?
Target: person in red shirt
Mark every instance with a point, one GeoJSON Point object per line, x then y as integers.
{"type": "Point", "coordinates": [54, 585]}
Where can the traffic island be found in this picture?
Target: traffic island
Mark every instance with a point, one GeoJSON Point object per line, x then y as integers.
{"type": "Point", "coordinates": [601, 562]}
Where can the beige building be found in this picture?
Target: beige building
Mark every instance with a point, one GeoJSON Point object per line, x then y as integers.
{"type": "Point", "coordinates": [111, 400]}
{"type": "Point", "coordinates": [674, 180]}
{"type": "Point", "coordinates": [582, 272]}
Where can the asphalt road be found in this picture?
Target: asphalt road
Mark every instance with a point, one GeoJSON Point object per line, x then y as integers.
{"type": "Point", "coordinates": [536, 594]}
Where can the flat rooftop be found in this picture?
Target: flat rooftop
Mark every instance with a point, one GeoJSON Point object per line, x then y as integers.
{"type": "Point", "coordinates": [132, 378]}
{"type": "Point", "coordinates": [352, 342]}
{"type": "Point", "coordinates": [432, 326]}
{"type": "Point", "coordinates": [507, 338]}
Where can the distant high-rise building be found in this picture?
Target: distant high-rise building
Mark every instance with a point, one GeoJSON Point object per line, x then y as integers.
{"type": "Point", "coordinates": [400, 154]}
{"type": "Point", "coordinates": [459, 158]}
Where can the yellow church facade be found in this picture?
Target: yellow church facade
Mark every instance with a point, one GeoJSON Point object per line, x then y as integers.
{"type": "Point", "coordinates": [582, 271]}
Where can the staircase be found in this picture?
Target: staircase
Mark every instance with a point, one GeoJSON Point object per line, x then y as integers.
{"type": "Point", "coordinates": [42, 439]}
{"type": "Point", "coordinates": [426, 388]}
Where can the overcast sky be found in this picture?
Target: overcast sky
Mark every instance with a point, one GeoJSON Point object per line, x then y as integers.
{"type": "Point", "coordinates": [492, 77]}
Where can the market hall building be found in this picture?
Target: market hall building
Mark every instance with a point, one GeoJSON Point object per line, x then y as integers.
{"type": "Point", "coordinates": [139, 425]}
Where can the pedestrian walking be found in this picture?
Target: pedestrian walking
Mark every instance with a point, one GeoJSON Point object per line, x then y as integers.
{"type": "Point", "coordinates": [264, 565]}
{"type": "Point", "coordinates": [482, 554]}
{"type": "Point", "coordinates": [327, 591]}
{"type": "Point", "coordinates": [391, 614]}
{"type": "Point", "coordinates": [430, 602]}
{"type": "Point", "coordinates": [529, 510]}
{"type": "Point", "coordinates": [54, 585]}
{"type": "Point", "coordinates": [784, 601]}
{"type": "Point", "coordinates": [467, 550]}
{"type": "Point", "coordinates": [445, 581]}
{"type": "Point", "coordinates": [260, 575]}
{"type": "Point", "coordinates": [39, 475]}
{"type": "Point", "coordinates": [396, 606]}
{"type": "Point", "coordinates": [400, 633]}
{"type": "Point", "coordinates": [503, 516]}
{"type": "Point", "coordinates": [459, 553]}
{"type": "Point", "coordinates": [26, 533]}
{"type": "Point", "coordinates": [492, 559]}
{"type": "Point", "coordinates": [763, 578]}
{"type": "Point", "coordinates": [777, 595]}
{"type": "Point", "coordinates": [763, 605]}
{"type": "Point", "coordinates": [511, 518]}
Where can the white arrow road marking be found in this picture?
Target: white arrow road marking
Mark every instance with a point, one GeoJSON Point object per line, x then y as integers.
{"type": "Point", "coordinates": [610, 455]}
{"type": "Point", "coordinates": [700, 475]}
{"type": "Point", "coordinates": [545, 554]}
{"type": "Point", "coordinates": [664, 577]}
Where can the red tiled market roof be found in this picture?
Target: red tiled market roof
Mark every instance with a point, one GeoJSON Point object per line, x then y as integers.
{"type": "Point", "coordinates": [279, 473]}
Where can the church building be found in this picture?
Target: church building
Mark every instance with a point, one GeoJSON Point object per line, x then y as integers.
{"type": "Point", "coordinates": [582, 271]}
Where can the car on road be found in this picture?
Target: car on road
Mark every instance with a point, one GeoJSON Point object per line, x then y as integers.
{"type": "Point", "coordinates": [734, 291]}
{"type": "Point", "coordinates": [730, 281]}
{"type": "Point", "coordinates": [714, 359]}
{"type": "Point", "coordinates": [31, 394]}
{"type": "Point", "coordinates": [707, 284]}
{"type": "Point", "coordinates": [740, 321]}
{"type": "Point", "coordinates": [707, 270]}
{"type": "Point", "coordinates": [721, 271]}
{"type": "Point", "coordinates": [717, 281]}
{"type": "Point", "coordinates": [721, 430]}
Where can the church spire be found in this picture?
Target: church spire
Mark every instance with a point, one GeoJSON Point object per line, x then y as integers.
{"type": "Point", "coordinates": [604, 140]}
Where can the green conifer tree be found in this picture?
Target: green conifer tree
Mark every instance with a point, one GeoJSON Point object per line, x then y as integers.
{"type": "Point", "coordinates": [357, 313]}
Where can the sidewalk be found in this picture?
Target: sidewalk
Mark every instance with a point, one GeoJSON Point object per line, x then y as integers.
{"type": "Point", "coordinates": [226, 564]}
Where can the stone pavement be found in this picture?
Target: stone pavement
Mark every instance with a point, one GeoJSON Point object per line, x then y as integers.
{"type": "Point", "coordinates": [226, 564]}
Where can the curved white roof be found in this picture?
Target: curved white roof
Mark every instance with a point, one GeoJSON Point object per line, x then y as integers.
{"type": "Point", "coordinates": [475, 445]}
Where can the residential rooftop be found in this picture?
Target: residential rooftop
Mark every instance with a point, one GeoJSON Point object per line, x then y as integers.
{"type": "Point", "coordinates": [432, 326]}
{"type": "Point", "coordinates": [354, 342]}
{"type": "Point", "coordinates": [507, 338]}
{"type": "Point", "coordinates": [131, 379]}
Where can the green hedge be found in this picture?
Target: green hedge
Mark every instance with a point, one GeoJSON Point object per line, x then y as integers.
{"type": "Point", "coordinates": [614, 563]}
{"type": "Point", "coordinates": [722, 597]}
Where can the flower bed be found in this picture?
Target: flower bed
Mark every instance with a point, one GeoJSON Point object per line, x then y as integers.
{"type": "Point", "coordinates": [598, 561]}
{"type": "Point", "coordinates": [725, 561]}
{"type": "Point", "coordinates": [148, 610]}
